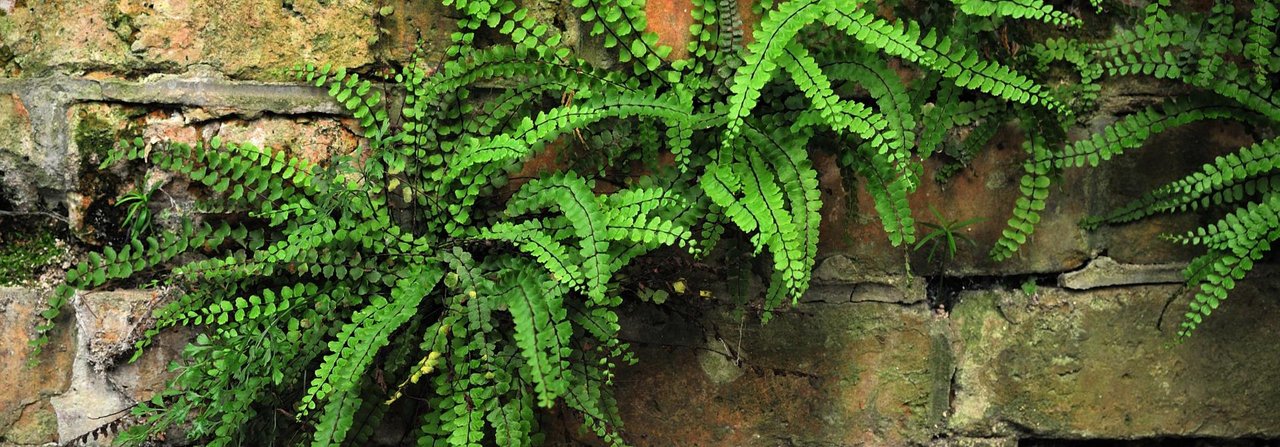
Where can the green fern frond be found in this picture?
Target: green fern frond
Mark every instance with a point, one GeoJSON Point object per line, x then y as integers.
{"type": "Point", "coordinates": [1128, 133]}
{"type": "Point", "coordinates": [1260, 46]}
{"type": "Point", "coordinates": [97, 269]}
{"type": "Point", "coordinates": [772, 36]}
{"type": "Point", "coordinates": [1034, 188]}
{"type": "Point", "coordinates": [1229, 179]}
{"type": "Point", "coordinates": [966, 150]}
{"type": "Point", "coordinates": [942, 55]}
{"type": "Point", "coordinates": [1238, 241]}
{"type": "Point", "coordinates": [889, 189]}
{"type": "Point", "coordinates": [760, 209]}
{"type": "Point", "coordinates": [1133, 131]}
{"type": "Point", "coordinates": [1017, 9]}
{"type": "Point", "coordinates": [555, 257]}
{"type": "Point", "coordinates": [358, 96]}
{"type": "Point", "coordinates": [543, 332]}
{"type": "Point", "coordinates": [799, 182]}
{"type": "Point", "coordinates": [359, 340]}
{"type": "Point", "coordinates": [942, 115]}
{"type": "Point", "coordinates": [624, 26]}
{"type": "Point", "coordinates": [513, 421]}
{"type": "Point", "coordinates": [891, 98]}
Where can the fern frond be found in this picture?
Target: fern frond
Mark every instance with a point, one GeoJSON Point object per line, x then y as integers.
{"type": "Point", "coordinates": [1034, 188]}
{"type": "Point", "coordinates": [889, 134]}
{"type": "Point", "coordinates": [1017, 9]}
{"type": "Point", "coordinates": [359, 340]}
{"type": "Point", "coordinates": [973, 143]}
{"type": "Point", "coordinates": [1229, 179]}
{"type": "Point", "coordinates": [482, 159]}
{"type": "Point", "coordinates": [513, 421]}
{"type": "Point", "coordinates": [891, 98]}
{"type": "Point", "coordinates": [358, 96]}
{"type": "Point", "coordinates": [1238, 240]}
{"type": "Point", "coordinates": [542, 331]}
{"type": "Point", "coordinates": [889, 189]}
{"type": "Point", "coordinates": [1133, 131]}
{"type": "Point", "coordinates": [572, 196]}
{"type": "Point", "coordinates": [942, 55]}
{"type": "Point", "coordinates": [531, 238]}
{"type": "Point", "coordinates": [804, 201]}
{"type": "Point", "coordinates": [1128, 133]}
{"type": "Point", "coordinates": [771, 38]}
{"type": "Point", "coordinates": [624, 26]}
{"type": "Point", "coordinates": [97, 269]}
{"type": "Point", "coordinates": [1260, 46]}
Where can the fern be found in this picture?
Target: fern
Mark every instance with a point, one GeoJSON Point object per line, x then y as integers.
{"type": "Point", "coordinates": [1225, 59]}
{"type": "Point", "coordinates": [425, 266]}
{"type": "Point", "coordinates": [1034, 187]}
{"type": "Point", "coordinates": [890, 130]}
{"type": "Point", "coordinates": [1236, 242]}
{"type": "Point", "coordinates": [1032, 9]}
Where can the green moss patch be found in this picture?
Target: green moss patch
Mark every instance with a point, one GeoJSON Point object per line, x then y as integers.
{"type": "Point", "coordinates": [25, 252]}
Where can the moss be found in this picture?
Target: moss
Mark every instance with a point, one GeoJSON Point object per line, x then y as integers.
{"type": "Point", "coordinates": [95, 137]}
{"type": "Point", "coordinates": [25, 252]}
{"type": "Point", "coordinates": [972, 312]}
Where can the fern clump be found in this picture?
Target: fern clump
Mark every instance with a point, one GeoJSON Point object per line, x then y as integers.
{"type": "Point", "coordinates": [428, 266]}
{"type": "Point", "coordinates": [1225, 55]}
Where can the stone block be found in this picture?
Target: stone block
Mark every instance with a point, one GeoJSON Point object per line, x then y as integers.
{"type": "Point", "coordinates": [19, 178]}
{"type": "Point", "coordinates": [37, 425]}
{"type": "Point", "coordinates": [24, 390]}
{"type": "Point", "coordinates": [107, 325]}
{"type": "Point", "coordinates": [68, 35]}
{"type": "Point", "coordinates": [241, 39]}
{"type": "Point", "coordinates": [414, 23]}
{"type": "Point", "coordinates": [314, 140]}
{"type": "Point", "coordinates": [91, 400]}
{"type": "Point", "coordinates": [852, 373]}
{"type": "Point", "coordinates": [1106, 272]}
{"type": "Point", "coordinates": [975, 442]}
{"type": "Point", "coordinates": [1103, 364]}
{"type": "Point", "coordinates": [253, 39]}
{"type": "Point", "coordinates": [95, 130]}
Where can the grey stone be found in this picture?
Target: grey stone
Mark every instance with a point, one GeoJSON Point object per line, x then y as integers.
{"type": "Point", "coordinates": [907, 291]}
{"type": "Point", "coordinates": [855, 372]}
{"type": "Point", "coordinates": [841, 272]}
{"type": "Point", "coordinates": [1103, 364]}
{"type": "Point", "coordinates": [46, 158]}
{"type": "Point", "coordinates": [18, 154]}
{"type": "Point", "coordinates": [91, 400]}
{"type": "Point", "coordinates": [1104, 272]}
